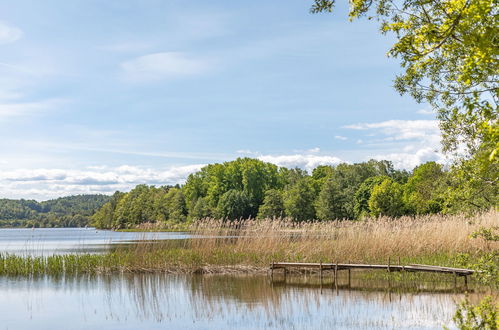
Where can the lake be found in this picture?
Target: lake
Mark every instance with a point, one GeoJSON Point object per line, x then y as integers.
{"type": "Point", "coordinates": [49, 241]}
{"type": "Point", "coordinates": [161, 301]}
{"type": "Point", "coordinates": [166, 301]}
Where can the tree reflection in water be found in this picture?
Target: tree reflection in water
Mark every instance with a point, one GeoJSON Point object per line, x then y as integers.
{"type": "Point", "coordinates": [224, 301]}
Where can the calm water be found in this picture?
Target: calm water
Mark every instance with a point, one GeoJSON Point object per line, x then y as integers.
{"type": "Point", "coordinates": [218, 302]}
{"type": "Point", "coordinates": [49, 241]}
{"type": "Point", "coordinates": [159, 301]}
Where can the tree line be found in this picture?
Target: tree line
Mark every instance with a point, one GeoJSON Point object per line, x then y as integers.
{"type": "Point", "coordinates": [72, 211]}
{"type": "Point", "coordinates": [248, 187]}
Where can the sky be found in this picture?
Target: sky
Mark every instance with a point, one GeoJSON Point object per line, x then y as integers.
{"type": "Point", "coordinates": [99, 96]}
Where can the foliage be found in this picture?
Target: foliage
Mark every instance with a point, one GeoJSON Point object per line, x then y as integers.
{"type": "Point", "coordinates": [449, 53]}
{"type": "Point", "coordinates": [330, 204]}
{"type": "Point", "coordinates": [423, 190]}
{"type": "Point", "coordinates": [252, 188]}
{"type": "Point", "coordinates": [299, 200]}
{"type": "Point", "coordinates": [486, 266]}
{"type": "Point", "coordinates": [363, 194]}
{"type": "Point", "coordinates": [233, 205]}
{"type": "Point", "coordinates": [71, 211]}
{"type": "Point", "coordinates": [488, 234]}
{"type": "Point", "coordinates": [485, 315]}
{"type": "Point", "coordinates": [272, 206]}
{"type": "Point", "coordinates": [386, 199]}
{"type": "Point", "coordinates": [473, 185]}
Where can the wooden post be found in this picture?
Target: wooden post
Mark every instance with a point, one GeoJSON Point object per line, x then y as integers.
{"type": "Point", "coordinates": [320, 274]}
{"type": "Point", "coordinates": [336, 275]}
{"type": "Point", "coordinates": [466, 281]}
{"type": "Point", "coordinates": [455, 280]}
{"type": "Point", "coordinates": [349, 282]}
{"type": "Point", "coordinates": [388, 264]}
{"type": "Point", "coordinates": [272, 270]}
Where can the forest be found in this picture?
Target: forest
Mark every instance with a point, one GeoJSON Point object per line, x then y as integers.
{"type": "Point", "coordinates": [72, 211]}
{"type": "Point", "coordinates": [250, 188]}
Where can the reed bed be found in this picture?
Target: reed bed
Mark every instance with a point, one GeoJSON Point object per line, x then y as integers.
{"type": "Point", "coordinates": [372, 240]}
{"type": "Point", "coordinates": [250, 245]}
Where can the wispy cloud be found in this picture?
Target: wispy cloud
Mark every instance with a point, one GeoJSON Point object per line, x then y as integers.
{"type": "Point", "coordinates": [339, 137]}
{"type": "Point", "coordinates": [409, 160]}
{"type": "Point", "coordinates": [304, 161]}
{"type": "Point", "coordinates": [408, 143]}
{"type": "Point", "coordinates": [165, 65]}
{"type": "Point", "coordinates": [48, 183]}
{"type": "Point", "coordinates": [9, 33]}
{"type": "Point", "coordinates": [403, 129]}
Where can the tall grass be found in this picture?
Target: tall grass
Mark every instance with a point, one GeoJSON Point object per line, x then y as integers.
{"type": "Point", "coordinates": [342, 241]}
{"type": "Point", "coordinates": [250, 245]}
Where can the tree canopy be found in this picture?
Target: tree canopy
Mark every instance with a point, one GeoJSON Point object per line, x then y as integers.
{"type": "Point", "coordinates": [449, 54]}
{"type": "Point", "coordinates": [71, 211]}
{"type": "Point", "coordinates": [252, 188]}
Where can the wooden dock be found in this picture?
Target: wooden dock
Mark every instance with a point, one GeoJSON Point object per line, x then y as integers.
{"type": "Point", "coordinates": [336, 267]}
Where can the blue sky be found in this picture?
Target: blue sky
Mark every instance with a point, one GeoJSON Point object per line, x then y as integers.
{"type": "Point", "coordinates": [98, 96]}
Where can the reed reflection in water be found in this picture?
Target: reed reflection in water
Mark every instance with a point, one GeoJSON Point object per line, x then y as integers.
{"type": "Point", "coordinates": [160, 301]}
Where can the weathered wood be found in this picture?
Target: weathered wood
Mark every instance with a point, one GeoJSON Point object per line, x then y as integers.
{"type": "Point", "coordinates": [337, 266]}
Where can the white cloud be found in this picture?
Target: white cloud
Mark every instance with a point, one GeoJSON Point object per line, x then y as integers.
{"type": "Point", "coordinates": [409, 160]}
{"type": "Point", "coordinates": [307, 162]}
{"type": "Point", "coordinates": [163, 65]}
{"type": "Point", "coordinates": [400, 130]}
{"type": "Point", "coordinates": [9, 33]}
{"type": "Point", "coordinates": [407, 143]}
{"type": "Point", "coordinates": [314, 150]}
{"type": "Point", "coordinates": [339, 137]}
{"type": "Point", "coordinates": [49, 183]}
{"type": "Point", "coordinates": [246, 152]}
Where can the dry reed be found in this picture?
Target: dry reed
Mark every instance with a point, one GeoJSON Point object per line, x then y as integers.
{"type": "Point", "coordinates": [342, 241]}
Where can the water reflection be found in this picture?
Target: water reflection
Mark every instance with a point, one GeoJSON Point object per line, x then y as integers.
{"type": "Point", "coordinates": [153, 301]}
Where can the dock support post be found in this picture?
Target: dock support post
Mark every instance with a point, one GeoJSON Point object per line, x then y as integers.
{"type": "Point", "coordinates": [349, 277]}
{"type": "Point", "coordinates": [336, 275]}
{"type": "Point", "coordinates": [272, 270]}
{"type": "Point", "coordinates": [455, 280]}
{"type": "Point", "coordinates": [388, 264]}
{"type": "Point", "coordinates": [466, 281]}
{"type": "Point", "coordinates": [320, 274]}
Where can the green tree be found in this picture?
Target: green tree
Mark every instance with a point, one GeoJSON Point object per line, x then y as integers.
{"type": "Point", "coordinates": [234, 204]}
{"type": "Point", "coordinates": [473, 186]}
{"type": "Point", "coordinates": [449, 54]}
{"type": "Point", "coordinates": [176, 205]}
{"type": "Point", "coordinates": [387, 199]}
{"type": "Point", "coordinates": [423, 191]}
{"type": "Point", "coordinates": [273, 205]}
{"type": "Point", "coordinates": [350, 176]}
{"type": "Point", "coordinates": [201, 209]}
{"type": "Point", "coordinates": [363, 194]}
{"type": "Point", "coordinates": [299, 200]}
{"type": "Point", "coordinates": [251, 176]}
{"type": "Point", "coordinates": [330, 203]}
{"type": "Point", "coordinates": [104, 216]}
